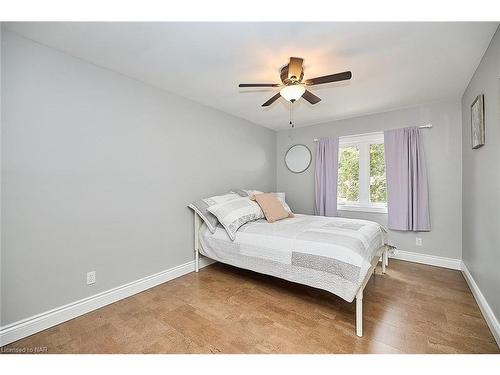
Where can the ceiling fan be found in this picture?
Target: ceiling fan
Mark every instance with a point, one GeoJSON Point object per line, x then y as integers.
{"type": "Point", "coordinates": [292, 86]}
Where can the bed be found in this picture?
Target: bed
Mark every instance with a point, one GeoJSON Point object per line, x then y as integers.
{"type": "Point", "coordinates": [338, 255]}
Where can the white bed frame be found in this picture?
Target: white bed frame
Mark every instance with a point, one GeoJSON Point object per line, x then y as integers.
{"type": "Point", "coordinates": [380, 255]}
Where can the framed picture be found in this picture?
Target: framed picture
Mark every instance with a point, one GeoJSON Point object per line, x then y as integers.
{"type": "Point", "coordinates": [477, 122]}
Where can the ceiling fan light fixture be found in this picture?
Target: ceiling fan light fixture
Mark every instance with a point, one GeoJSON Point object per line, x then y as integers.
{"type": "Point", "coordinates": [292, 92]}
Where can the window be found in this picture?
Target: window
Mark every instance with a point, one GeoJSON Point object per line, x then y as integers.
{"type": "Point", "coordinates": [361, 176]}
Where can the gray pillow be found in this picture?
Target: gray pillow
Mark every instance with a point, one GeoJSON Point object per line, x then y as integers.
{"type": "Point", "coordinates": [201, 208]}
{"type": "Point", "coordinates": [240, 192]}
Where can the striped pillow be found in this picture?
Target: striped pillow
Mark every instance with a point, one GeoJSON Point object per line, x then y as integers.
{"type": "Point", "coordinates": [201, 208]}
{"type": "Point", "coordinates": [233, 214]}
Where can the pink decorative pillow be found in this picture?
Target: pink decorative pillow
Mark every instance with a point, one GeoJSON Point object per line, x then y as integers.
{"type": "Point", "coordinates": [271, 206]}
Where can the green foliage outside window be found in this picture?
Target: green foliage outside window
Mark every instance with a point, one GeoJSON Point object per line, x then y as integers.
{"type": "Point", "coordinates": [348, 177]}
{"type": "Point", "coordinates": [378, 190]}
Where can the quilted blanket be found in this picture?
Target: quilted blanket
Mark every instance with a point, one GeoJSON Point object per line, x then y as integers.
{"type": "Point", "coordinates": [328, 253]}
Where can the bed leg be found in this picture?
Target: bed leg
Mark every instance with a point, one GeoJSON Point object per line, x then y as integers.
{"type": "Point", "coordinates": [196, 243]}
{"type": "Point", "coordinates": [196, 261]}
{"type": "Point", "coordinates": [386, 252]}
{"type": "Point", "coordinates": [359, 313]}
{"type": "Point", "coordinates": [384, 256]}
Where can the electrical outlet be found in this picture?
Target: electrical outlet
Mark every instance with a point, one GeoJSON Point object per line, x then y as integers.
{"type": "Point", "coordinates": [90, 277]}
{"type": "Point", "coordinates": [418, 241]}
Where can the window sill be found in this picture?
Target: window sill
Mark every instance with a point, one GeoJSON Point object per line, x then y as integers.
{"type": "Point", "coordinates": [356, 208]}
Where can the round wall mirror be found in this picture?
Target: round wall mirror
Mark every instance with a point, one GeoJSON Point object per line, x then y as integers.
{"type": "Point", "coordinates": [298, 158]}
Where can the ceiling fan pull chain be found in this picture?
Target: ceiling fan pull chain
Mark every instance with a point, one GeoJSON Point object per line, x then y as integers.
{"type": "Point", "coordinates": [291, 123]}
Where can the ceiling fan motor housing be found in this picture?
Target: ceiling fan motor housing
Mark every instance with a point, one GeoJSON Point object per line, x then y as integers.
{"type": "Point", "coordinates": [290, 80]}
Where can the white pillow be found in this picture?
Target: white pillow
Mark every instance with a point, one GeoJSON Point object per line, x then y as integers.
{"type": "Point", "coordinates": [240, 192]}
{"type": "Point", "coordinates": [253, 192]}
{"type": "Point", "coordinates": [201, 208]}
{"type": "Point", "coordinates": [281, 197]}
{"type": "Point", "coordinates": [234, 213]}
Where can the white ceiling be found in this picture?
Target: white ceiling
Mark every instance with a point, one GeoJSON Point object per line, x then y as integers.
{"type": "Point", "coordinates": [394, 65]}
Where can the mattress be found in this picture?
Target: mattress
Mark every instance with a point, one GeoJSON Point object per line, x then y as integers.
{"type": "Point", "coordinates": [328, 253]}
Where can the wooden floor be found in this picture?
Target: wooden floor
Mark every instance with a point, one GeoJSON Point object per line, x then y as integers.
{"type": "Point", "coordinates": [412, 309]}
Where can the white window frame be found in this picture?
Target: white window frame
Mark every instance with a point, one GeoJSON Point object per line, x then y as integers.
{"type": "Point", "coordinates": [363, 142]}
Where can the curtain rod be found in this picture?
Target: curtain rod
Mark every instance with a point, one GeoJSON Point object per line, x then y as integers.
{"type": "Point", "coordinates": [426, 126]}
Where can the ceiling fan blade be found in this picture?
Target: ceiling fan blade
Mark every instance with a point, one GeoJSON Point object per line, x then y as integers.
{"type": "Point", "coordinates": [330, 78]}
{"type": "Point", "coordinates": [272, 100]}
{"type": "Point", "coordinates": [295, 67]}
{"type": "Point", "coordinates": [259, 85]}
{"type": "Point", "coordinates": [310, 97]}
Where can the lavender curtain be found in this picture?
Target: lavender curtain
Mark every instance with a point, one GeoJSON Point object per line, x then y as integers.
{"type": "Point", "coordinates": [327, 157]}
{"type": "Point", "coordinates": [407, 192]}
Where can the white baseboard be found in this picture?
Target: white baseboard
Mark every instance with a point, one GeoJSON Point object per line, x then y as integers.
{"type": "Point", "coordinates": [488, 314]}
{"type": "Point", "coordinates": [26, 327]}
{"type": "Point", "coordinates": [431, 260]}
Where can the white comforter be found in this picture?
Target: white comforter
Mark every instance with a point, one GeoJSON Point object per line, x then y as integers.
{"type": "Point", "coordinates": [333, 254]}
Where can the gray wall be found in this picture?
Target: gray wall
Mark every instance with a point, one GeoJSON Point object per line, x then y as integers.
{"type": "Point", "coordinates": [443, 153]}
{"type": "Point", "coordinates": [1, 50]}
{"type": "Point", "coordinates": [97, 170]}
{"type": "Point", "coordinates": [481, 180]}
